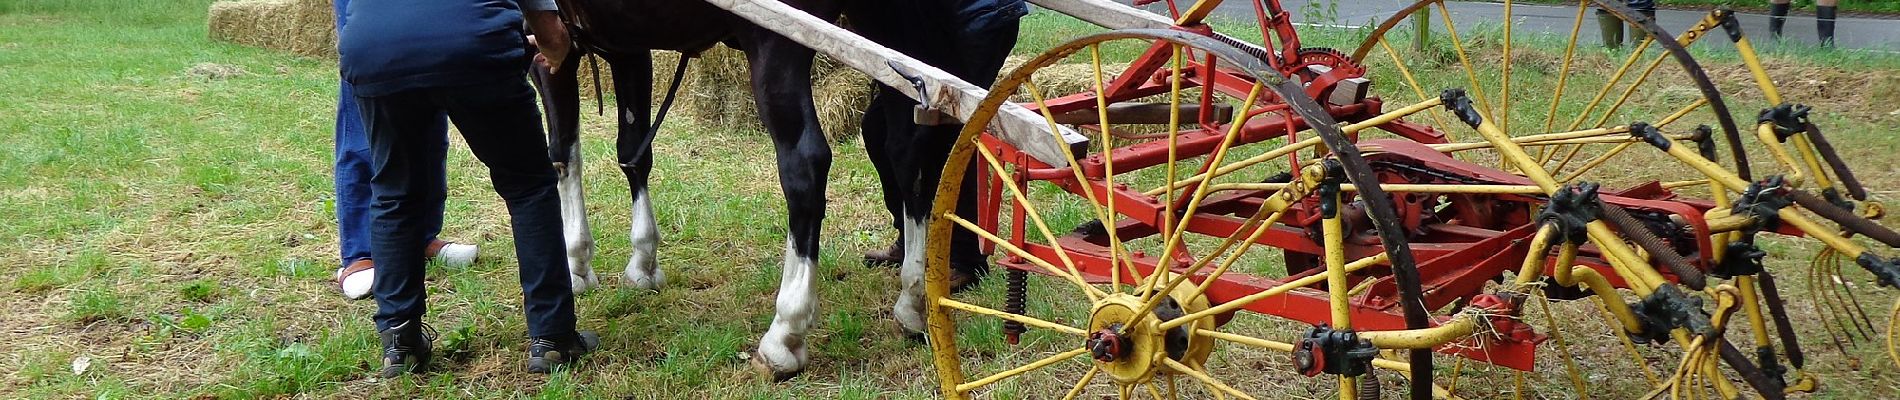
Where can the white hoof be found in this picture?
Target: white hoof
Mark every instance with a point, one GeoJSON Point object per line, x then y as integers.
{"type": "Point", "coordinates": [584, 283]}
{"type": "Point", "coordinates": [458, 255]}
{"type": "Point", "coordinates": [357, 285]}
{"type": "Point", "coordinates": [781, 355]}
{"type": "Point", "coordinates": [910, 314]}
{"type": "Point", "coordinates": [643, 280]}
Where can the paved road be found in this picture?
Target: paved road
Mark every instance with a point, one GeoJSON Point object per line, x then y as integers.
{"type": "Point", "coordinates": [1850, 33]}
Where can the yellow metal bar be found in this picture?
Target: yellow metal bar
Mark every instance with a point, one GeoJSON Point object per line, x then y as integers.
{"type": "Point", "coordinates": [1797, 172]}
{"type": "Point", "coordinates": [1790, 215]}
{"type": "Point", "coordinates": [1193, 205]}
{"type": "Point", "coordinates": [1115, 246]}
{"type": "Point", "coordinates": [1197, 13]}
{"type": "Point", "coordinates": [1174, 136]}
{"type": "Point", "coordinates": [1016, 193]}
{"type": "Point", "coordinates": [1457, 328]}
{"type": "Point", "coordinates": [1699, 102]}
{"type": "Point", "coordinates": [1642, 277]}
{"type": "Point", "coordinates": [1595, 162]}
{"type": "Point", "coordinates": [1026, 320]}
{"type": "Point", "coordinates": [1533, 268]}
{"type": "Point", "coordinates": [1203, 377]}
{"type": "Point", "coordinates": [1101, 215]}
{"type": "Point", "coordinates": [1751, 305]}
{"type": "Point", "coordinates": [1019, 252]}
{"type": "Point", "coordinates": [1230, 168]}
{"type": "Point", "coordinates": [1236, 304]}
{"type": "Point", "coordinates": [1077, 390]}
{"type": "Point", "coordinates": [1038, 364]}
{"type": "Point", "coordinates": [1334, 236]}
{"type": "Point", "coordinates": [1471, 75]}
{"type": "Point", "coordinates": [1504, 84]}
{"type": "Point", "coordinates": [1529, 140]}
{"type": "Point", "coordinates": [1437, 116]}
{"type": "Point", "coordinates": [1563, 77]}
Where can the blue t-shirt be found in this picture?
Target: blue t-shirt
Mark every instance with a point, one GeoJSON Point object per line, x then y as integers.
{"type": "Point", "coordinates": [390, 46]}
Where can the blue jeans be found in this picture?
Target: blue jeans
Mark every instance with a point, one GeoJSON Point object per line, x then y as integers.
{"type": "Point", "coordinates": [502, 126]}
{"type": "Point", "coordinates": [352, 172]}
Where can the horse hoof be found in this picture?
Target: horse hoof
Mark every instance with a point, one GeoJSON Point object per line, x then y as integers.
{"type": "Point", "coordinates": [644, 281]}
{"type": "Point", "coordinates": [764, 368]}
{"type": "Point", "coordinates": [581, 284]}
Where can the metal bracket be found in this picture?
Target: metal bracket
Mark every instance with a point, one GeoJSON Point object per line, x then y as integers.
{"type": "Point", "coordinates": [1789, 119]}
{"type": "Point", "coordinates": [1336, 352]}
{"type": "Point", "coordinates": [1572, 208]}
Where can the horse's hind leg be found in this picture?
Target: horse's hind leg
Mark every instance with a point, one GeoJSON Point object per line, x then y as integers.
{"type": "Point", "coordinates": [560, 97]}
{"type": "Point", "coordinates": [781, 84]}
{"type": "Point", "coordinates": [633, 85]}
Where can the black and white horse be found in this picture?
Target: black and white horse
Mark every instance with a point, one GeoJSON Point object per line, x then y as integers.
{"type": "Point", "coordinates": [622, 32]}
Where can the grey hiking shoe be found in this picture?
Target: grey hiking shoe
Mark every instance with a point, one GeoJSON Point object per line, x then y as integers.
{"type": "Point", "coordinates": [545, 353]}
{"type": "Point", "coordinates": [406, 348]}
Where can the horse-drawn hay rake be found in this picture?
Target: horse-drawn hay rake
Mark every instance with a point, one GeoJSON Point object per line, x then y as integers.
{"type": "Point", "coordinates": [1431, 215]}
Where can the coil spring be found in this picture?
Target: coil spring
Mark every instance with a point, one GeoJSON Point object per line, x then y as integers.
{"type": "Point", "coordinates": [1015, 302]}
{"type": "Point", "coordinates": [1369, 388]}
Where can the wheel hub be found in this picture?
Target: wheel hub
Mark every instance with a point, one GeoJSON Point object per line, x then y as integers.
{"type": "Point", "coordinates": [1130, 349]}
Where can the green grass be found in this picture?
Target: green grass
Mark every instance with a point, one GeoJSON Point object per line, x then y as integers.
{"type": "Point", "coordinates": [176, 231]}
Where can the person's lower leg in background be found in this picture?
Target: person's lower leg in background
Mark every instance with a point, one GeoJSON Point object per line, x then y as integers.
{"type": "Point", "coordinates": [1824, 11]}
{"type": "Point", "coordinates": [1777, 16]}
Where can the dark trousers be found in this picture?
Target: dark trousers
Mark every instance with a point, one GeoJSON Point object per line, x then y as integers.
{"type": "Point", "coordinates": [501, 124]}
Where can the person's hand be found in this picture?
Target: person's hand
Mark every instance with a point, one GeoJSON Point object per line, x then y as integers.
{"type": "Point", "coordinates": [542, 58]}
{"type": "Point", "coordinates": [550, 36]}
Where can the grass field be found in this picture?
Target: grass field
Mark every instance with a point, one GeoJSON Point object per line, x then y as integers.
{"type": "Point", "coordinates": [165, 231]}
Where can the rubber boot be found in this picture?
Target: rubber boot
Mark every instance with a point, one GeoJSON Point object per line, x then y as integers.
{"type": "Point", "coordinates": [1611, 28]}
{"type": "Point", "coordinates": [1777, 15]}
{"type": "Point", "coordinates": [1824, 24]}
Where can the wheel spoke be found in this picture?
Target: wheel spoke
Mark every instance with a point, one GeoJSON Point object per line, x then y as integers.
{"type": "Point", "coordinates": [1270, 292]}
{"type": "Point", "coordinates": [1084, 382]}
{"type": "Point", "coordinates": [1019, 252]}
{"type": "Point", "coordinates": [1203, 377]}
{"type": "Point", "coordinates": [1437, 115]}
{"type": "Point", "coordinates": [1024, 319]}
{"type": "Point", "coordinates": [1101, 214]}
{"type": "Point", "coordinates": [1563, 76]}
{"type": "Point", "coordinates": [1038, 364]}
{"type": "Point", "coordinates": [1115, 246]}
{"type": "Point", "coordinates": [1471, 74]}
{"type": "Point", "coordinates": [1022, 200]}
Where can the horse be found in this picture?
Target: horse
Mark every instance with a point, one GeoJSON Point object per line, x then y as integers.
{"type": "Point", "coordinates": [622, 33]}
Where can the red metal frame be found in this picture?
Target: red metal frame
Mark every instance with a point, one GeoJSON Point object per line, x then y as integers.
{"type": "Point", "coordinates": [1484, 235]}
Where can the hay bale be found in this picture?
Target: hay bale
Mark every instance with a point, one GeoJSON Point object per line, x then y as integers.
{"type": "Point", "coordinates": [718, 92]}
{"type": "Point", "coordinates": [302, 27]}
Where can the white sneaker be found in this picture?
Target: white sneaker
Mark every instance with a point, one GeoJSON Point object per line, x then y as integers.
{"type": "Point", "coordinates": [356, 279]}
{"type": "Point", "coordinates": [453, 254]}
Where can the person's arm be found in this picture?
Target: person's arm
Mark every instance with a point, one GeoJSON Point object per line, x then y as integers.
{"type": "Point", "coordinates": [549, 34]}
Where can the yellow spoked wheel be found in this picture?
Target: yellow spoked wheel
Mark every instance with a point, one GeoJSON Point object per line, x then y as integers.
{"type": "Point", "coordinates": [1644, 121]}
{"type": "Point", "coordinates": [1208, 185]}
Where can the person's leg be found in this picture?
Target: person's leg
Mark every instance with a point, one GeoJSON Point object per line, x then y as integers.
{"type": "Point", "coordinates": [502, 126]}
{"type": "Point", "coordinates": [402, 154]}
{"type": "Point", "coordinates": [1777, 16]}
{"type": "Point", "coordinates": [1610, 29]}
{"type": "Point", "coordinates": [1824, 11]}
{"type": "Point", "coordinates": [1648, 9]}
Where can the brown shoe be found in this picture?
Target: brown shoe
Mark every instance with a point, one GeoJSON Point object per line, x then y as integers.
{"type": "Point", "coordinates": [889, 257]}
{"type": "Point", "coordinates": [359, 288]}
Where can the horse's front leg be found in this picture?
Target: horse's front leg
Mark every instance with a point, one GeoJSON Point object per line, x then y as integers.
{"type": "Point", "coordinates": [560, 98]}
{"type": "Point", "coordinates": [781, 73]}
{"type": "Point", "coordinates": [633, 83]}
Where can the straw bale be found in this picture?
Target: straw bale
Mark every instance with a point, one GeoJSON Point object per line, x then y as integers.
{"type": "Point", "coordinates": [302, 27]}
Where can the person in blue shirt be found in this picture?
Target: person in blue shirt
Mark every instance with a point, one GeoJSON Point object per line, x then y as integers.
{"type": "Point", "coordinates": [411, 63]}
{"type": "Point", "coordinates": [355, 274]}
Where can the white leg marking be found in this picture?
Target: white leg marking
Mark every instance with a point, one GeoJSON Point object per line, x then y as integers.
{"type": "Point", "coordinates": [784, 344]}
{"type": "Point", "coordinates": [580, 238]}
{"type": "Point", "coordinates": [643, 269]}
{"type": "Point", "coordinates": [909, 309]}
